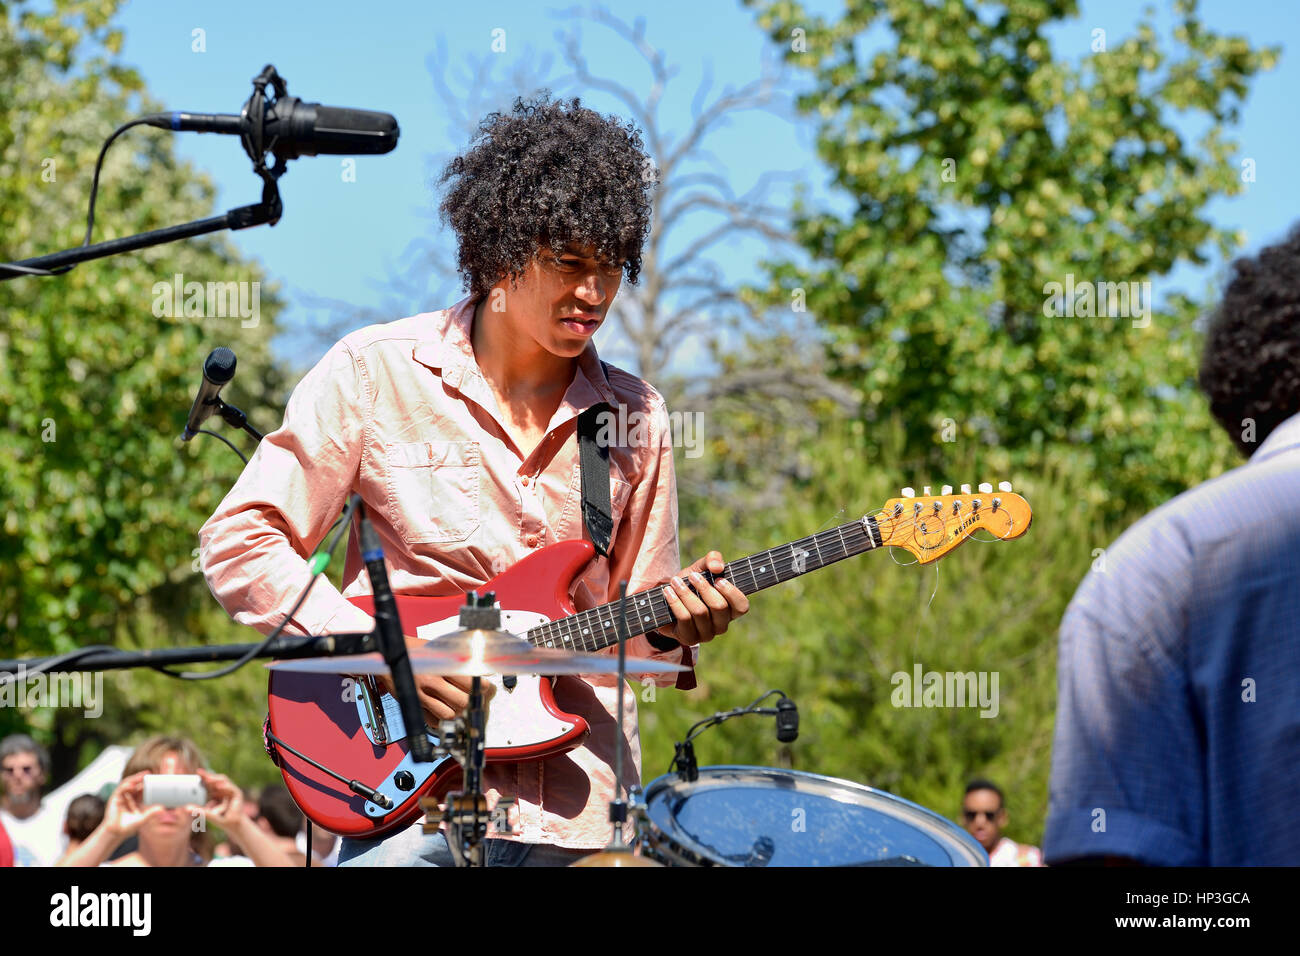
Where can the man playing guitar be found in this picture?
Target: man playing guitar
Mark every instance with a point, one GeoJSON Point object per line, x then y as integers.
{"type": "Point", "coordinates": [457, 428]}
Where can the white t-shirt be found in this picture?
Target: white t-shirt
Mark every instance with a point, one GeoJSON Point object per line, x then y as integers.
{"type": "Point", "coordinates": [1010, 853]}
{"type": "Point", "coordinates": [41, 835]}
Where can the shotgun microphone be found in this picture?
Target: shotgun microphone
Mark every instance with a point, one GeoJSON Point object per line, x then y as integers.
{"type": "Point", "coordinates": [291, 128]}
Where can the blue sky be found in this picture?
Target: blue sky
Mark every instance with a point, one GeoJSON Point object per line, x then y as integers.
{"type": "Point", "coordinates": [346, 241]}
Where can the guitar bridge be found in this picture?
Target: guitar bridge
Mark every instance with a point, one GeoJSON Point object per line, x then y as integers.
{"type": "Point", "coordinates": [373, 720]}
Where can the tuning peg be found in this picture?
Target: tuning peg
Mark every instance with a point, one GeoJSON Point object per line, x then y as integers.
{"type": "Point", "coordinates": [946, 490]}
{"type": "Point", "coordinates": [985, 488]}
{"type": "Point", "coordinates": [926, 491]}
{"type": "Point", "coordinates": [965, 489]}
{"type": "Point", "coordinates": [909, 492]}
{"type": "Point", "coordinates": [1004, 486]}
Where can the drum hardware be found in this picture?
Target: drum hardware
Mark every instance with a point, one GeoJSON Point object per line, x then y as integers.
{"type": "Point", "coordinates": [618, 853]}
{"type": "Point", "coordinates": [466, 813]}
{"type": "Point", "coordinates": [787, 730]}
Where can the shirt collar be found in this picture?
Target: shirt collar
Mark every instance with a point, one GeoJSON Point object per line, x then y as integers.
{"type": "Point", "coordinates": [1285, 435]}
{"type": "Point", "coordinates": [451, 350]}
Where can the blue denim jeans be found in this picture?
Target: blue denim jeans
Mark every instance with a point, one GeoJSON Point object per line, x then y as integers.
{"type": "Point", "coordinates": [412, 847]}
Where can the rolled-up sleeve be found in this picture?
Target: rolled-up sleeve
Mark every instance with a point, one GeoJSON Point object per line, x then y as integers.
{"type": "Point", "coordinates": [254, 548]}
{"type": "Point", "coordinates": [1127, 761]}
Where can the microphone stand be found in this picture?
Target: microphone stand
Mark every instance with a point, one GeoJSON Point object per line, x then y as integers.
{"type": "Point", "coordinates": [267, 212]}
{"type": "Point", "coordinates": [618, 853]}
{"type": "Point", "coordinates": [94, 659]}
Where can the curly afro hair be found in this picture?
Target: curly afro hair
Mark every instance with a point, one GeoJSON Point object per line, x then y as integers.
{"type": "Point", "coordinates": [546, 175]}
{"type": "Point", "coordinates": [1251, 366]}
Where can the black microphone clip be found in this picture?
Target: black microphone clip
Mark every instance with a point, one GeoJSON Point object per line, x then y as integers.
{"type": "Point", "coordinates": [787, 721]}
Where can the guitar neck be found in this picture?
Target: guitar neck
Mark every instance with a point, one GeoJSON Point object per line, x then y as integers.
{"type": "Point", "coordinates": [597, 628]}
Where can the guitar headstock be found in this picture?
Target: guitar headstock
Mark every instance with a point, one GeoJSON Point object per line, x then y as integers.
{"type": "Point", "coordinates": [930, 526]}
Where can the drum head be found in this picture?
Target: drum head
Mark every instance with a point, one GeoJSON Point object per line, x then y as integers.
{"type": "Point", "coordinates": [755, 816]}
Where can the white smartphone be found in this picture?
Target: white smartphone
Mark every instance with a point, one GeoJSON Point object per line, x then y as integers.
{"type": "Point", "coordinates": [174, 790]}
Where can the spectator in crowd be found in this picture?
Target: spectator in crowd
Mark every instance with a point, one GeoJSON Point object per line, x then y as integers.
{"type": "Point", "coordinates": [229, 847]}
{"type": "Point", "coordinates": [84, 814]}
{"type": "Point", "coordinates": [1177, 739]}
{"type": "Point", "coordinates": [164, 832]}
{"type": "Point", "coordinates": [985, 816]}
{"type": "Point", "coordinates": [325, 846]}
{"type": "Point", "coordinates": [280, 818]}
{"type": "Point", "coordinates": [34, 828]}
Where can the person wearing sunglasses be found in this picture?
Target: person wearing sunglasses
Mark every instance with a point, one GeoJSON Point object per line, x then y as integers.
{"type": "Point", "coordinates": [984, 816]}
{"type": "Point", "coordinates": [34, 829]}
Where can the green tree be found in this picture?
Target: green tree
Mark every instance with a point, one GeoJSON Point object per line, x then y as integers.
{"type": "Point", "coordinates": [836, 639]}
{"type": "Point", "coordinates": [100, 502]}
{"type": "Point", "coordinates": [979, 166]}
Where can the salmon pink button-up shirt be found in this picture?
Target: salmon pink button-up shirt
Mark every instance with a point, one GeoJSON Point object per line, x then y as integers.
{"type": "Point", "coordinates": [401, 414]}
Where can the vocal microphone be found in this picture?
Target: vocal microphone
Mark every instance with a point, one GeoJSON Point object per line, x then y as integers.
{"type": "Point", "coordinates": [787, 721]}
{"type": "Point", "coordinates": [391, 642]}
{"type": "Point", "coordinates": [292, 128]}
{"type": "Point", "coordinates": [218, 370]}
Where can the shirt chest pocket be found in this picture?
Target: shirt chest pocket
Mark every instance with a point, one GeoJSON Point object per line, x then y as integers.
{"type": "Point", "coordinates": [433, 490]}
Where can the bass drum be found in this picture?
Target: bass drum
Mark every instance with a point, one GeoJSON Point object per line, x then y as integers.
{"type": "Point", "coordinates": [755, 816]}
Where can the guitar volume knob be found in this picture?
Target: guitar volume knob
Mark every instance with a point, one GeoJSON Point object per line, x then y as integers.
{"type": "Point", "coordinates": [404, 780]}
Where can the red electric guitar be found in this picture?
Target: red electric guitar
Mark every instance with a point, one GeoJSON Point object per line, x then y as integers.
{"type": "Point", "coordinates": [350, 726]}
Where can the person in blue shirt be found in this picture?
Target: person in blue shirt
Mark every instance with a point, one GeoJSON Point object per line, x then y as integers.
{"type": "Point", "coordinates": [1178, 716]}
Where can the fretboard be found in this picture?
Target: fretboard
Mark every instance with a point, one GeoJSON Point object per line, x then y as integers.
{"type": "Point", "coordinates": [597, 628]}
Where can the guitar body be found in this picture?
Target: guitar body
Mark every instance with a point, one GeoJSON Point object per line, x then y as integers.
{"type": "Point", "coordinates": [357, 731]}
{"type": "Point", "coordinates": [331, 718]}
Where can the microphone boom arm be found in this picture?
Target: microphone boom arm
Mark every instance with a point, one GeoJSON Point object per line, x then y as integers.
{"type": "Point", "coordinates": [266, 212]}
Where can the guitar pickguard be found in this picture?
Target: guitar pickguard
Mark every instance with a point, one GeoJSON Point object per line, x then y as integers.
{"type": "Point", "coordinates": [518, 720]}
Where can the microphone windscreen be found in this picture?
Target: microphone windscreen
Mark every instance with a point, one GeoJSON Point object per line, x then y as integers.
{"type": "Point", "coordinates": [219, 367]}
{"type": "Point", "coordinates": [340, 130]}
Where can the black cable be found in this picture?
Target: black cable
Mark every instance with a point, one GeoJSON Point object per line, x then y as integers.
{"type": "Point", "coordinates": [727, 715]}
{"type": "Point", "coordinates": [94, 183]}
{"type": "Point", "coordinates": [702, 725]}
{"type": "Point", "coordinates": [55, 662]}
{"type": "Point", "coordinates": [204, 431]}
{"type": "Point", "coordinates": [90, 212]}
{"type": "Point", "coordinates": [341, 525]}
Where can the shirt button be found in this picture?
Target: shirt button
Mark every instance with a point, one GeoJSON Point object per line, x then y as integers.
{"type": "Point", "coordinates": [532, 541]}
{"type": "Point", "coordinates": [524, 481]}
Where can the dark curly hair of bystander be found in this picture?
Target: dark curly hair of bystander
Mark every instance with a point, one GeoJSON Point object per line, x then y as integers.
{"type": "Point", "coordinates": [1251, 367]}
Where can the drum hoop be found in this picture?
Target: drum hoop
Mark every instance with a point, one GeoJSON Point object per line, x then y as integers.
{"type": "Point", "coordinates": [718, 776]}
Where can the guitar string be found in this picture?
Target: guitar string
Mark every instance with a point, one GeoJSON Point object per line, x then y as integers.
{"type": "Point", "coordinates": [658, 611]}
{"type": "Point", "coordinates": [579, 625]}
{"type": "Point", "coordinates": [576, 628]}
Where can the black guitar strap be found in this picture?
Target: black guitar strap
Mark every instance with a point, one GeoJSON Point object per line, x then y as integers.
{"type": "Point", "coordinates": [598, 513]}
{"type": "Point", "coordinates": [593, 460]}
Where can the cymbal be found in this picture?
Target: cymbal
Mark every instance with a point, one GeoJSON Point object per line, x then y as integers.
{"type": "Point", "coordinates": [624, 857]}
{"type": "Point", "coordinates": [479, 653]}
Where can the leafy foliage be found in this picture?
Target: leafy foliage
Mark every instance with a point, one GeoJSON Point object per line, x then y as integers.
{"type": "Point", "coordinates": [978, 166]}
{"type": "Point", "coordinates": [835, 639]}
{"type": "Point", "coordinates": [101, 502]}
